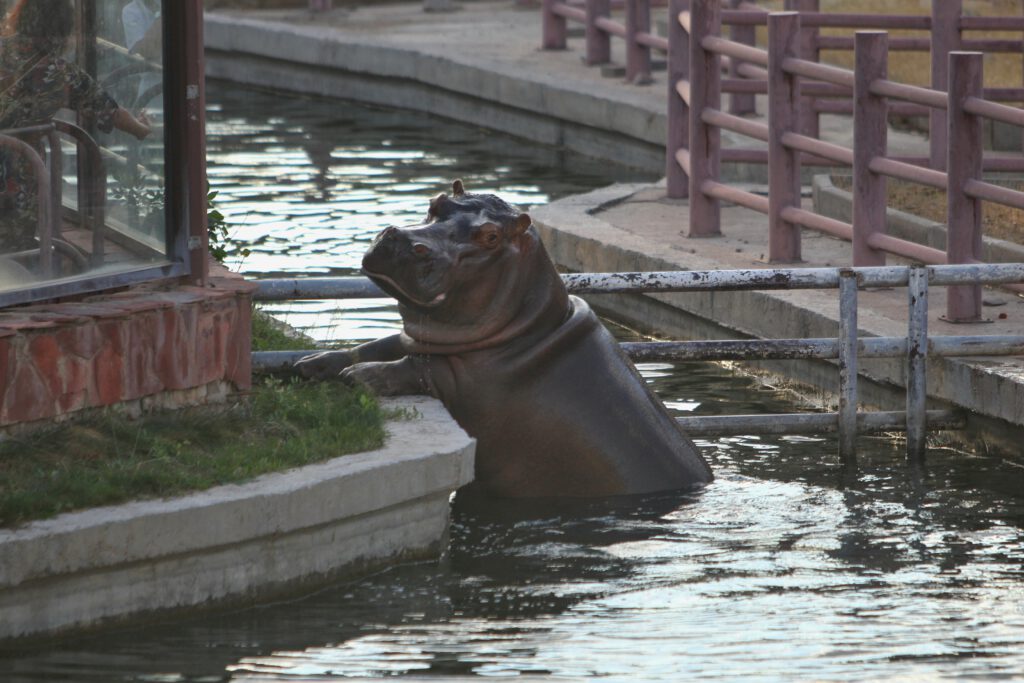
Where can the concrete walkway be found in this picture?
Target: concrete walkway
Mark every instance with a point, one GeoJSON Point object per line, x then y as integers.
{"type": "Point", "coordinates": [482, 65]}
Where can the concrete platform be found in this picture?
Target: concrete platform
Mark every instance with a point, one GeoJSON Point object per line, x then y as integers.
{"type": "Point", "coordinates": [483, 65]}
{"type": "Point", "coordinates": [279, 534]}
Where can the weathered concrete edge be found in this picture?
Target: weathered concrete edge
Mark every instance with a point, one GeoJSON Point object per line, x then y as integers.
{"type": "Point", "coordinates": [230, 542]}
{"type": "Point", "coordinates": [579, 240]}
{"type": "Point", "coordinates": [833, 202]}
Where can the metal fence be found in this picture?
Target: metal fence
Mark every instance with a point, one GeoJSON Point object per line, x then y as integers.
{"type": "Point", "coordinates": [846, 348]}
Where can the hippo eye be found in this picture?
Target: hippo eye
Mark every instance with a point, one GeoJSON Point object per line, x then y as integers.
{"type": "Point", "coordinates": [421, 249]}
{"type": "Point", "coordinates": [491, 239]}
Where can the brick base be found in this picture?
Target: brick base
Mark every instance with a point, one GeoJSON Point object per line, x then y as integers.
{"type": "Point", "coordinates": [154, 345]}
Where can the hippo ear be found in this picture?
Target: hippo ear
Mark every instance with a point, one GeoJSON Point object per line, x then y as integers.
{"type": "Point", "coordinates": [521, 224]}
{"type": "Point", "coordinates": [457, 189]}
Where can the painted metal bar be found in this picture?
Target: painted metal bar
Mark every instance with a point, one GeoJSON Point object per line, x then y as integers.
{"type": "Point", "coordinates": [678, 137]}
{"type": "Point", "coordinates": [809, 423]}
{"type": "Point", "coordinates": [762, 349]}
{"type": "Point", "coordinates": [705, 140]}
{"type": "Point", "coordinates": [638, 55]}
{"type": "Point", "coordinates": [992, 45]}
{"type": "Point", "coordinates": [836, 20]}
{"type": "Point", "coordinates": [44, 218]}
{"type": "Point", "coordinates": [758, 156]}
{"type": "Point", "coordinates": [945, 35]}
{"type": "Point", "coordinates": [677, 281]}
{"type": "Point", "coordinates": [784, 113]}
{"type": "Point", "coordinates": [991, 23]}
{"type": "Point", "coordinates": [554, 29]}
{"type": "Point", "coordinates": [906, 249]}
{"type": "Point", "coordinates": [752, 71]}
{"type": "Point", "coordinates": [754, 129]}
{"type": "Point", "coordinates": [917, 361]}
{"type": "Point", "coordinates": [576, 14]}
{"type": "Point", "coordinates": [847, 363]}
{"type": "Point", "coordinates": [911, 172]}
{"type": "Point", "coordinates": [740, 104]}
{"type": "Point", "coordinates": [820, 72]}
{"type": "Point", "coordinates": [870, 141]}
{"type": "Point", "coordinates": [1004, 94]}
{"type": "Point", "coordinates": [994, 193]}
{"type": "Point", "coordinates": [727, 48]}
{"type": "Point", "coordinates": [994, 110]}
{"type": "Point", "coordinates": [735, 195]}
{"type": "Point", "coordinates": [611, 27]}
{"type": "Point", "coordinates": [653, 41]}
{"type": "Point", "coordinates": [814, 221]}
{"type": "Point", "coordinates": [827, 150]}
{"type": "Point", "coordinates": [963, 212]}
{"type": "Point", "coordinates": [933, 99]}
{"type": "Point", "coordinates": [898, 43]}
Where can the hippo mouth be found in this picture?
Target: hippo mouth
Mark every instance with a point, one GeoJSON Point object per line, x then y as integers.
{"type": "Point", "coordinates": [402, 293]}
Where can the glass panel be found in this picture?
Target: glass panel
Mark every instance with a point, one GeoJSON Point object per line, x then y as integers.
{"type": "Point", "coordinates": [81, 139]}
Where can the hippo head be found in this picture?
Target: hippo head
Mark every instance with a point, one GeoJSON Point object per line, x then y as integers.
{"type": "Point", "coordinates": [474, 273]}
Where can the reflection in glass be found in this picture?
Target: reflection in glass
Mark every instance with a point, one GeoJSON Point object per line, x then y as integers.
{"type": "Point", "coordinates": [81, 145]}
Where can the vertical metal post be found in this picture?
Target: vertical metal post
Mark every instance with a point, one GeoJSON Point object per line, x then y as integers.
{"type": "Point", "coordinates": [554, 30]}
{"type": "Point", "coordinates": [194, 96]}
{"type": "Point", "coordinates": [783, 117]}
{"type": "Point", "coordinates": [847, 363]}
{"type": "Point", "coordinates": [638, 57]}
{"type": "Point", "coordinates": [917, 359]}
{"type": "Point", "coordinates": [870, 140]}
{"type": "Point", "coordinates": [678, 182]}
{"type": "Point", "coordinates": [945, 38]}
{"type": "Point", "coordinates": [599, 43]}
{"type": "Point", "coordinates": [741, 104]}
{"type": "Point", "coordinates": [808, 50]}
{"type": "Point", "coordinates": [963, 213]}
{"type": "Point", "coordinates": [705, 140]}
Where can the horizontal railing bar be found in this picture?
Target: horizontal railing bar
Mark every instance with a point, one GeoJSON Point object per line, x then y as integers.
{"type": "Point", "coordinates": [752, 71]}
{"type": "Point", "coordinates": [992, 44]}
{"type": "Point", "coordinates": [994, 193]}
{"type": "Point", "coordinates": [678, 281]}
{"type": "Point", "coordinates": [905, 44]}
{"type": "Point", "coordinates": [994, 111]}
{"type": "Point", "coordinates": [739, 51]}
{"type": "Point", "coordinates": [909, 93]}
{"type": "Point", "coordinates": [906, 248]}
{"type": "Point", "coordinates": [737, 124]}
{"type": "Point", "coordinates": [828, 150]}
{"type": "Point", "coordinates": [810, 423]}
{"type": "Point", "coordinates": [610, 26]}
{"type": "Point", "coordinates": [574, 13]}
{"type": "Point", "coordinates": [833, 19]}
{"type": "Point", "coordinates": [820, 72]}
{"type": "Point", "coordinates": [745, 155]}
{"type": "Point", "coordinates": [911, 172]}
{"type": "Point", "coordinates": [816, 221]}
{"type": "Point", "coordinates": [1004, 94]}
{"type": "Point", "coordinates": [744, 85]}
{"type": "Point", "coordinates": [652, 40]}
{"type": "Point", "coordinates": [1004, 23]}
{"type": "Point", "coordinates": [735, 195]}
{"type": "Point", "coordinates": [845, 106]}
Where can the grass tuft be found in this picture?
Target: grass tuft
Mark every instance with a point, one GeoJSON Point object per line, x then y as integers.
{"type": "Point", "coordinates": [107, 459]}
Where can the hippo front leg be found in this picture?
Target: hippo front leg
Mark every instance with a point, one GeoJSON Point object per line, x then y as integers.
{"type": "Point", "coordinates": [329, 364]}
{"type": "Point", "coordinates": [396, 378]}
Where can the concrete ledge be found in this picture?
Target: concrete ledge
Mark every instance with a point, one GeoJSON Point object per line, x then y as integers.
{"type": "Point", "coordinates": [234, 543]}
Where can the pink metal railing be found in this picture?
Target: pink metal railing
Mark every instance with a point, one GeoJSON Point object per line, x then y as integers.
{"type": "Point", "coordinates": [695, 103]}
{"type": "Point", "coordinates": [600, 28]}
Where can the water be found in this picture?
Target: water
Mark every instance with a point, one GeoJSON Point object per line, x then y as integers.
{"type": "Point", "coordinates": [789, 567]}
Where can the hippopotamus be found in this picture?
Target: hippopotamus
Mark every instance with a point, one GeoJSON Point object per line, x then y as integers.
{"type": "Point", "coordinates": [556, 407]}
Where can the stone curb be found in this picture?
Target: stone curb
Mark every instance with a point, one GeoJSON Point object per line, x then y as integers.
{"type": "Point", "coordinates": [234, 542]}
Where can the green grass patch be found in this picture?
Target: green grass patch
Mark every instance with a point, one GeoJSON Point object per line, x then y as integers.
{"type": "Point", "coordinates": [107, 459]}
{"type": "Point", "coordinates": [270, 334]}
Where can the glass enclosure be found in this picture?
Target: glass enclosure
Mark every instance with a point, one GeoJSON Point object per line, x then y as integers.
{"type": "Point", "coordinates": [82, 153]}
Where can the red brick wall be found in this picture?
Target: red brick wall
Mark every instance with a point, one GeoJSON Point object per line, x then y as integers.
{"type": "Point", "coordinates": [112, 348]}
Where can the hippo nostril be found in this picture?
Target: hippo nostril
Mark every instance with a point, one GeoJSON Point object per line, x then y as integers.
{"type": "Point", "coordinates": [420, 249]}
{"type": "Point", "coordinates": [389, 231]}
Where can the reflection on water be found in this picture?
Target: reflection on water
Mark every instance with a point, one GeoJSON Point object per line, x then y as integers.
{"type": "Point", "coordinates": [789, 566]}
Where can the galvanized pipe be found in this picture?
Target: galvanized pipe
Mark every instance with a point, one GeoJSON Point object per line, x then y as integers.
{"type": "Point", "coordinates": [847, 364]}
{"type": "Point", "coordinates": [809, 423]}
{"type": "Point", "coordinates": [917, 360]}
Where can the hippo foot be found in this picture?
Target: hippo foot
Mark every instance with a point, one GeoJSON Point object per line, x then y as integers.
{"type": "Point", "coordinates": [324, 365]}
{"type": "Point", "coordinates": [396, 378]}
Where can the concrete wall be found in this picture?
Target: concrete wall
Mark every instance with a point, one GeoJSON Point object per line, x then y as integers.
{"type": "Point", "coordinates": [280, 533]}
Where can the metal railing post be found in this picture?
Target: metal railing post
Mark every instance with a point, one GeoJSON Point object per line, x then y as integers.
{"type": "Point", "coordinates": [599, 42]}
{"type": "Point", "coordinates": [917, 360]}
{"type": "Point", "coordinates": [783, 117]}
{"type": "Point", "coordinates": [638, 57]}
{"type": "Point", "coordinates": [870, 135]}
{"type": "Point", "coordinates": [678, 138]}
{"type": "Point", "coordinates": [808, 50]}
{"type": "Point", "coordinates": [847, 363]}
{"type": "Point", "coordinates": [945, 37]}
{"type": "Point", "coordinates": [741, 104]}
{"type": "Point", "coordinates": [963, 212]}
{"type": "Point", "coordinates": [554, 28]}
{"type": "Point", "coordinates": [705, 140]}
